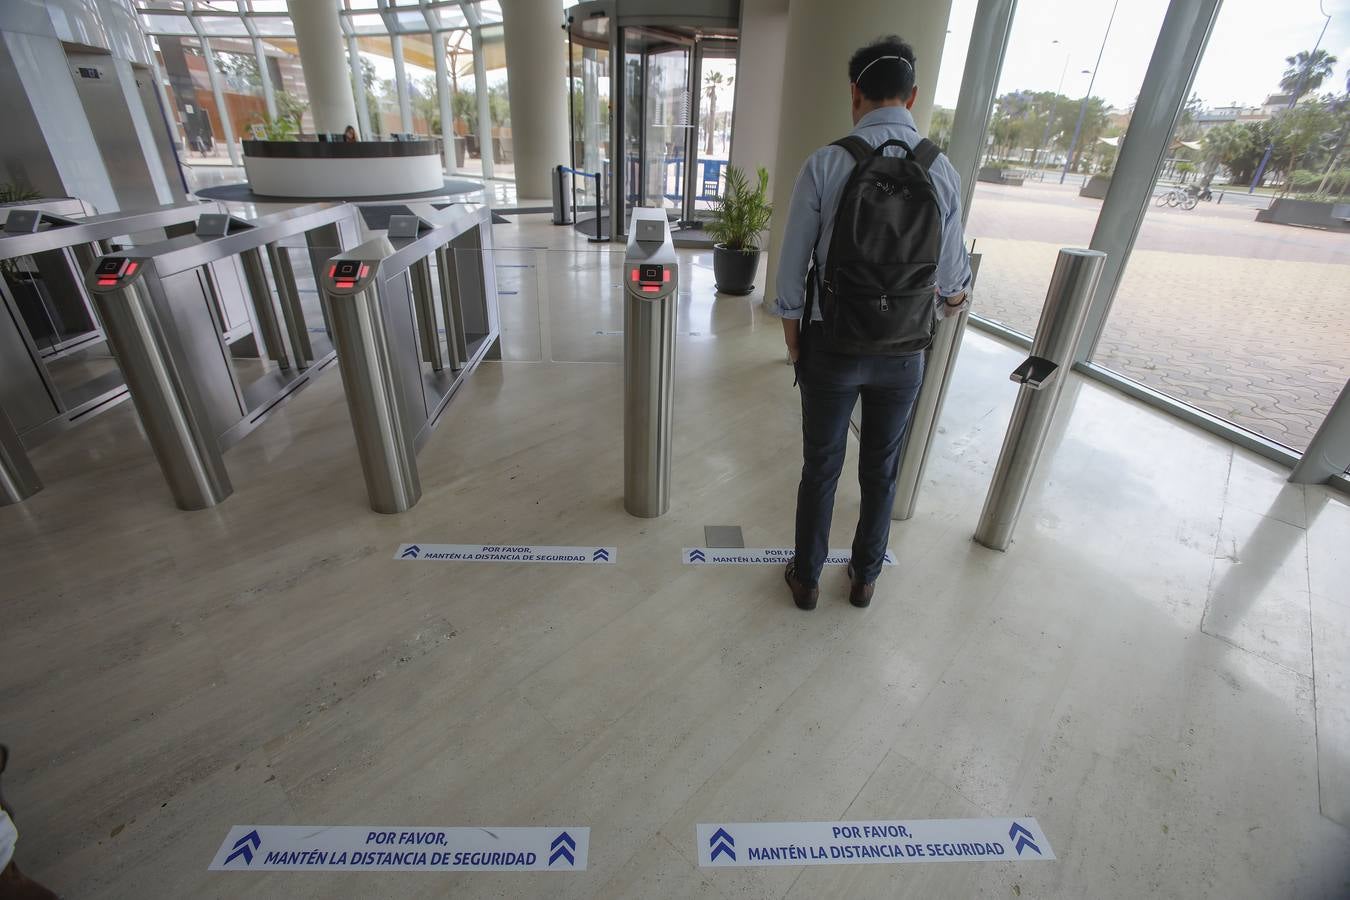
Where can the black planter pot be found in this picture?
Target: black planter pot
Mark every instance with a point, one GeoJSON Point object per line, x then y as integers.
{"type": "Point", "coordinates": [734, 270]}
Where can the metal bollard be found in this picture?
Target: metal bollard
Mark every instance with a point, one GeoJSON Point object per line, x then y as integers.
{"type": "Point", "coordinates": [562, 196]}
{"type": "Point", "coordinates": [166, 397]}
{"type": "Point", "coordinates": [938, 365]}
{"type": "Point", "coordinates": [388, 457]}
{"type": "Point", "coordinates": [1042, 377]}
{"type": "Point", "coordinates": [651, 279]}
{"type": "Point", "coordinates": [18, 479]}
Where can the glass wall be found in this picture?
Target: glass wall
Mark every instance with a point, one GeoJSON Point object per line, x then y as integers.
{"type": "Point", "coordinates": [378, 85]}
{"type": "Point", "coordinates": [1219, 307]}
{"type": "Point", "coordinates": [1053, 133]}
{"type": "Point", "coordinates": [194, 107]}
{"type": "Point", "coordinates": [232, 26]}
{"type": "Point", "coordinates": [241, 84]}
{"type": "Point", "coordinates": [1233, 298]}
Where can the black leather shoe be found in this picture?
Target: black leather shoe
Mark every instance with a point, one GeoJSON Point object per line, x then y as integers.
{"type": "Point", "coordinates": [805, 597]}
{"type": "Point", "coordinates": [859, 594]}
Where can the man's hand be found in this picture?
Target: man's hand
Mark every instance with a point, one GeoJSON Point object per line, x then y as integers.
{"type": "Point", "coordinates": [952, 306]}
{"type": "Point", "coordinates": [792, 331]}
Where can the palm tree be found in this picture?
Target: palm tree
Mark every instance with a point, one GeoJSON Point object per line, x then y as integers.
{"type": "Point", "coordinates": [712, 83]}
{"type": "Point", "coordinates": [1306, 72]}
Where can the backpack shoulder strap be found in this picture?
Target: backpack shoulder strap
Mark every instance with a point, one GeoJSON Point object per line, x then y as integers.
{"type": "Point", "coordinates": [858, 148]}
{"type": "Point", "coordinates": [927, 153]}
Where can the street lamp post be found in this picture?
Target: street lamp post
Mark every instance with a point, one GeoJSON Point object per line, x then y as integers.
{"type": "Point", "coordinates": [1082, 110]}
{"type": "Point", "coordinates": [1054, 105]}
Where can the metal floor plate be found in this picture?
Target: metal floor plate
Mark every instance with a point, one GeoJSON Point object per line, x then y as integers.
{"type": "Point", "coordinates": [723, 536]}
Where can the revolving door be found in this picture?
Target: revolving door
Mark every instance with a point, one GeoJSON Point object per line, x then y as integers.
{"type": "Point", "coordinates": [651, 106]}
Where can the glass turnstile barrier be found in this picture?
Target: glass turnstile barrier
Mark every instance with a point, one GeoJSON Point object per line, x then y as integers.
{"type": "Point", "coordinates": [215, 329]}
{"type": "Point", "coordinates": [414, 311]}
{"type": "Point", "coordinates": [56, 365]}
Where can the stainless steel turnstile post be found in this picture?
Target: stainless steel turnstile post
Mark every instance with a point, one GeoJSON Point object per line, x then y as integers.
{"type": "Point", "coordinates": [651, 281]}
{"type": "Point", "coordinates": [366, 360]}
{"type": "Point", "coordinates": [938, 366]}
{"type": "Point", "coordinates": [18, 479]}
{"type": "Point", "coordinates": [166, 396]}
{"type": "Point", "coordinates": [939, 363]}
{"type": "Point", "coordinates": [1042, 377]}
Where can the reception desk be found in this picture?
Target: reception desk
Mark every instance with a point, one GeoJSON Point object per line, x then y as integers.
{"type": "Point", "coordinates": [328, 171]}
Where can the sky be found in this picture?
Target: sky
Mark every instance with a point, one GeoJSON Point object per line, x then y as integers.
{"type": "Point", "coordinates": [1243, 61]}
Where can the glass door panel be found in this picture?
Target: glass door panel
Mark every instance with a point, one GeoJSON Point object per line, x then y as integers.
{"type": "Point", "coordinates": [666, 124]}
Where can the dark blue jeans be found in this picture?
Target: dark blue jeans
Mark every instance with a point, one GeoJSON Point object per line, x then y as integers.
{"type": "Point", "coordinates": [830, 386]}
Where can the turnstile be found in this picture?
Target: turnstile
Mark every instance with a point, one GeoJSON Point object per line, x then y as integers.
{"type": "Point", "coordinates": [651, 280]}
{"type": "Point", "coordinates": [413, 312]}
{"type": "Point", "coordinates": [208, 343]}
{"type": "Point", "coordinates": [55, 368]}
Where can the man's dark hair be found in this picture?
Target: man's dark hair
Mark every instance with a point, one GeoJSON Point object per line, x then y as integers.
{"type": "Point", "coordinates": [879, 78]}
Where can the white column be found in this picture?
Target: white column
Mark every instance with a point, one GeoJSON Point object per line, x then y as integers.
{"type": "Point", "coordinates": [480, 87]}
{"type": "Point", "coordinates": [319, 38]}
{"type": "Point", "coordinates": [401, 81]}
{"type": "Point", "coordinates": [816, 96]}
{"type": "Point", "coordinates": [756, 113]}
{"type": "Point", "coordinates": [443, 96]}
{"type": "Point", "coordinates": [362, 107]}
{"type": "Point", "coordinates": [536, 66]}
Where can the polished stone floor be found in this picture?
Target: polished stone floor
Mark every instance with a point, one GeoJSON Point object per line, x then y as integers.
{"type": "Point", "coordinates": [1158, 669]}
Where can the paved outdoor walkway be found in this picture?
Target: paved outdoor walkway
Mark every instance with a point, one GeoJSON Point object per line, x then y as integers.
{"type": "Point", "coordinates": [1244, 320]}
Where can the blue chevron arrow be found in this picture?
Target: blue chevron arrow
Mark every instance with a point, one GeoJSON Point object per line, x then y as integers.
{"type": "Point", "coordinates": [600, 554]}
{"type": "Point", "coordinates": [560, 846]}
{"type": "Point", "coordinates": [242, 848]}
{"type": "Point", "coordinates": [697, 555]}
{"type": "Point", "coordinates": [721, 844]}
{"type": "Point", "coordinates": [411, 552]}
{"type": "Point", "coordinates": [1021, 839]}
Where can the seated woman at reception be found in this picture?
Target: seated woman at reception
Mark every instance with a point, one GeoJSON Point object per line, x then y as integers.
{"type": "Point", "coordinates": [349, 136]}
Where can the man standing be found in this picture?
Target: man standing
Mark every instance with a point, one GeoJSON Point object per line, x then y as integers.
{"type": "Point", "coordinates": [873, 254]}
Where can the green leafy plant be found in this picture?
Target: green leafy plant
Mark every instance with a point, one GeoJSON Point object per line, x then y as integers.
{"type": "Point", "coordinates": [742, 212]}
{"type": "Point", "coordinates": [10, 192]}
{"type": "Point", "coordinates": [291, 107]}
{"type": "Point", "coordinates": [280, 129]}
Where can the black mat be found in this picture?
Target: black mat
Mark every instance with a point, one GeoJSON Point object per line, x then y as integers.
{"type": "Point", "coordinates": [243, 193]}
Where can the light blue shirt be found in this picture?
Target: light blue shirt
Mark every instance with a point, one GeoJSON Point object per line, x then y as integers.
{"type": "Point", "coordinates": [816, 198]}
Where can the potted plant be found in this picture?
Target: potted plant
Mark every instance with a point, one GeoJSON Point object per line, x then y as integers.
{"type": "Point", "coordinates": [740, 216]}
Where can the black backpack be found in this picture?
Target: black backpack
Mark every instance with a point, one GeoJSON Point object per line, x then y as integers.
{"type": "Point", "coordinates": [881, 272]}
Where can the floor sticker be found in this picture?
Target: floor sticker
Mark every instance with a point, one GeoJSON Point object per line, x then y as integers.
{"type": "Point", "coordinates": [762, 556]}
{"type": "Point", "coordinates": [845, 843]}
{"type": "Point", "coordinates": [414, 848]}
{"type": "Point", "coordinates": [505, 553]}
